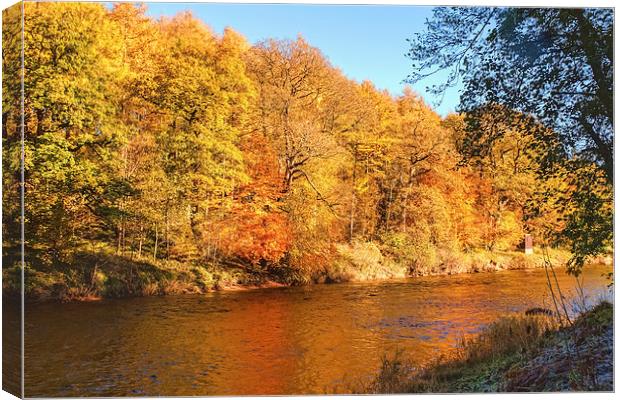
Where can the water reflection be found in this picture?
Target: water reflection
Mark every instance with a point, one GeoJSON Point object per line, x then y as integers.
{"type": "Point", "coordinates": [273, 341]}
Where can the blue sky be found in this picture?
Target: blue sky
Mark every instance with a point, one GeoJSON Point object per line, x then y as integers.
{"type": "Point", "coordinates": [365, 42]}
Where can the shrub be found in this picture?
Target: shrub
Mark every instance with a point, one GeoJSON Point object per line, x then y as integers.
{"type": "Point", "coordinates": [362, 261]}
{"type": "Point", "coordinates": [412, 250]}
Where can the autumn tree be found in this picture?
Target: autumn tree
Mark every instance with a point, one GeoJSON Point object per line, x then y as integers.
{"type": "Point", "coordinates": [71, 73]}
{"type": "Point", "coordinates": [11, 134]}
{"type": "Point", "coordinates": [255, 232]}
{"type": "Point", "coordinates": [554, 65]}
{"type": "Point", "coordinates": [297, 111]}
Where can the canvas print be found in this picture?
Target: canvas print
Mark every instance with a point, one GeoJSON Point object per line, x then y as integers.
{"type": "Point", "coordinates": [207, 199]}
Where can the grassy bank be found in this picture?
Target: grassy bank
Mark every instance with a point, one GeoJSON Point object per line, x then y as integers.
{"type": "Point", "coordinates": [370, 261]}
{"type": "Point", "coordinates": [91, 276]}
{"type": "Point", "coordinates": [94, 275]}
{"type": "Point", "coordinates": [516, 353]}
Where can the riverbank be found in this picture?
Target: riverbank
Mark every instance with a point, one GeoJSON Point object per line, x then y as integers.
{"type": "Point", "coordinates": [516, 353]}
{"type": "Point", "coordinates": [93, 276]}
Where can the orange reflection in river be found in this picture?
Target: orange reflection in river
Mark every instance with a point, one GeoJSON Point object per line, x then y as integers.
{"type": "Point", "coordinates": [316, 339]}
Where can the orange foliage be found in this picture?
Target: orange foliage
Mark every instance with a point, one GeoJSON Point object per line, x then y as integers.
{"type": "Point", "coordinates": [259, 239]}
{"type": "Point", "coordinates": [262, 164]}
{"type": "Point", "coordinates": [254, 231]}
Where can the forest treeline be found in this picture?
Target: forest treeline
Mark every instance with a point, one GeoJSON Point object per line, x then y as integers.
{"type": "Point", "coordinates": [160, 145]}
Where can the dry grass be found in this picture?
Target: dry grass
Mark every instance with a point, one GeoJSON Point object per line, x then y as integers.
{"type": "Point", "coordinates": [363, 261]}
{"type": "Point", "coordinates": [507, 334]}
{"type": "Point", "coordinates": [475, 365]}
{"type": "Point", "coordinates": [507, 355]}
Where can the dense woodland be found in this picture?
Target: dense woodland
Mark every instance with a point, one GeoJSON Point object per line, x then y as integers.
{"type": "Point", "coordinates": [161, 145]}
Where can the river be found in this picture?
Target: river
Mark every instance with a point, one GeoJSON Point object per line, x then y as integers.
{"type": "Point", "coordinates": [314, 339]}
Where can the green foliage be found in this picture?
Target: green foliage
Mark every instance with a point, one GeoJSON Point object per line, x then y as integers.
{"type": "Point", "coordinates": [589, 227]}
{"type": "Point", "coordinates": [599, 317]}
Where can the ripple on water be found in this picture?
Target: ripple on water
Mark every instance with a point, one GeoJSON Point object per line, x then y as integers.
{"type": "Point", "coordinates": [292, 340]}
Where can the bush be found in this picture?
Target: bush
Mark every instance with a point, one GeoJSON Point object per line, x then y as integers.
{"type": "Point", "coordinates": [362, 261]}
{"type": "Point", "coordinates": [413, 251]}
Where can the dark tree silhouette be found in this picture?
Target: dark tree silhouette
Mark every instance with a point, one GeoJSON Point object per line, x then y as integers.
{"type": "Point", "coordinates": [555, 64]}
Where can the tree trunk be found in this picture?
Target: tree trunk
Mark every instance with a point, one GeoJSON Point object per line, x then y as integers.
{"type": "Point", "coordinates": [353, 199]}
{"type": "Point", "coordinates": [118, 240]}
{"type": "Point", "coordinates": [156, 242]}
{"type": "Point", "coordinates": [140, 242]}
{"type": "Point", "coordinates": [167, 239]}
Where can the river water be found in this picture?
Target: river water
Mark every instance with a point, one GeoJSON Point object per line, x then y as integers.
{"type": "Point", "coordinates": [314, 339]}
